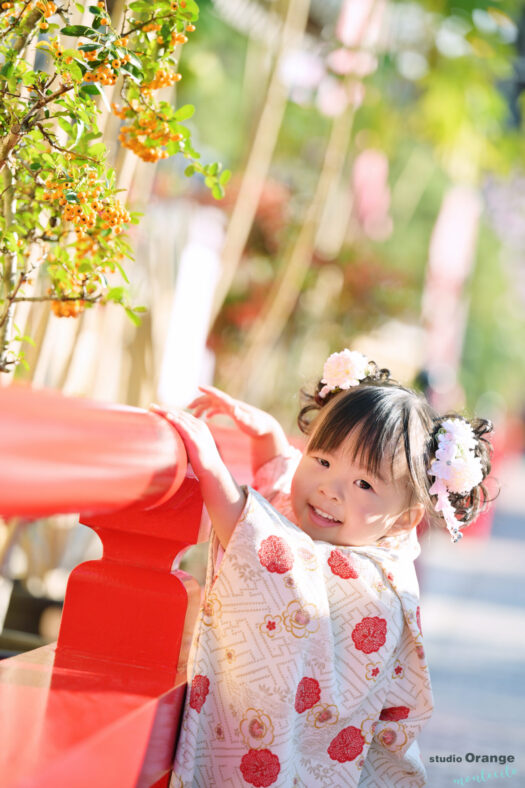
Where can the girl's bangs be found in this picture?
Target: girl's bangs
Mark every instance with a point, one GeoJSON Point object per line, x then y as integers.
{"type": "Point", "coordinates": [376, 421]}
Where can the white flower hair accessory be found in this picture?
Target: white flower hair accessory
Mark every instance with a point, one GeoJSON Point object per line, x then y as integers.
{"type": "Point", "coordinates": [344, 370]}
{"type": "Point", "coordinates": [455, 468]}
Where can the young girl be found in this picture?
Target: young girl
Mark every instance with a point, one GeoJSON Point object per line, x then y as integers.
{"type": "Point", "coordinates": [307, 665]}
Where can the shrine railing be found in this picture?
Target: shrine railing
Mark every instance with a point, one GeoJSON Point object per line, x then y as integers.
{"type": "Point", "coordinates": [101, 706]}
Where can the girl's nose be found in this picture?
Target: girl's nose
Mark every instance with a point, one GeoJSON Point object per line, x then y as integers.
{"type": "Point", "coordinates": [330, 492]}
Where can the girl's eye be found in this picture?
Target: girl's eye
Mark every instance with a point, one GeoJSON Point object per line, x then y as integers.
{"type": "Point", "coordinates": [323, 462]}
{"type": "Point", "coordinates": [363, 485]}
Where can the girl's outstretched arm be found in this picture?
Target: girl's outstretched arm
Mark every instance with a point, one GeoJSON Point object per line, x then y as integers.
{"type": "Point", "coordinates": [268, 438]}
{"type": "Point", "coordinates": [222, 496]}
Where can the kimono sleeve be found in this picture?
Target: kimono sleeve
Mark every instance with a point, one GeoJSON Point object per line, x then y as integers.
{"type": "Point", "coordinates": [276, 475]}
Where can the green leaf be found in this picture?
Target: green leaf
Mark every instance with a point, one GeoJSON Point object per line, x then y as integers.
{"type": "Point", "coordinates": [29, 78]}
{"type": "Point", "coordinates": [89, 90]}
{"type": "Point", "coordinates": [94, 9]}
{"type": "Point", "coordinates": [122, 272]}
{"type": "Point", "coordinates": [7, 69]}
{"type": "Point", "coordinates": [185, 112]}
{"type": "Point", "coordinates": [78, 30]}
{"type": "Point", "coordinates": [116, 294]}
{"type": "Point", "coordinates": [99, 149]}
{"type": "Point", "coordinates": [133, 317]}
{"type": "Point", "coordinates": [139, 5]}
{"type": "Point", "coordinates": [189, 171]}
{"type": "Point", "coordinates": [75, 71]}
{"type": "Point", "coordinates": [79, 7]}
{"type": "Point", "coordinates": [225, 177]}
{"type": "Point", "coordinates": [217, 191]}
{"type": "Point", "coordinates": [80, 129]}
{"type": "Point", "coordinates": [65, 126]}
{"type": "Point", "coordinates": [35, 165]}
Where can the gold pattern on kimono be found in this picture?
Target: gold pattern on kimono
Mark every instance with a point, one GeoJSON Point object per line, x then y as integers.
{"type": "Point", "coordinates": [211, 610]}
{"type": "Point", "coordinates": [394, 738]}
{"type": "Point", "coordinates": [368, 728]}
{"type": "Point", "coordinates": [271, 626]}
{"type": "Point", "coordinates": [300, 620]}
{"type": "Point", "coordinates": [380, 587]}
{"type": "Point", "coordinates": [373, 669]}
{"type": "Point", "coordinates": [322, 715]}
{"type": "Point", "coordinates": [256, 729]}
{"type": "Point", "coordinates": [398, 671]}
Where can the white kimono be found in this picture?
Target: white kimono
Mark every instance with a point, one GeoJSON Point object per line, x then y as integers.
{"type": "Point", "coordinates": [307, 666]}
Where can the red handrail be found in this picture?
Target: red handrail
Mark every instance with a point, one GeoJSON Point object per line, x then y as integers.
{"type": "Point", "coordinates": [101, 708]}
{"type": "Point", "coordinates": [63, 454]}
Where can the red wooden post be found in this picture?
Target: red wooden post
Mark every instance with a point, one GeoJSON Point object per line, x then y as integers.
{"type": "Point", "coordinates": [103, 707]}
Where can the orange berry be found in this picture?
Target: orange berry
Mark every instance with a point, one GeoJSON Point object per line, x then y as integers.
{"type": "Point", "coordinates": [105, 21]}
{"type": "Point", "coordinates": [190, 28]}
{"type": "Point", "coordinates": [43, 25]}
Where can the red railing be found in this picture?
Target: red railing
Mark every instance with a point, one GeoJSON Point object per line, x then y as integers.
{"type": "Point", "coordinates": [101, 707]}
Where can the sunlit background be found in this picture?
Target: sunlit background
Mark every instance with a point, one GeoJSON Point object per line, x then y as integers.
{"type": "Point", "coordinates": [377, 202]}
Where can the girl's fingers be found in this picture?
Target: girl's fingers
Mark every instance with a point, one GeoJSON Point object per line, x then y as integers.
{"type": "Point", "coordinates": [217, 393]}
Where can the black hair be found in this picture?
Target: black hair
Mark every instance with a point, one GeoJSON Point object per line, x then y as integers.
{"type": "Point", "coordinates": [389, 421]}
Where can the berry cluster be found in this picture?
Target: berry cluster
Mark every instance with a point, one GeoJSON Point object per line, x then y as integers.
{"type": "Point", "coordinates": [84, 208]}
{"type": "Point", "coordinates": [48, 8]}
{"type": "Point", "coordinates": [67, 308]}
{"type": "Point", "coordinates": [146, 126]}
{"type": "Point", "coordinates": [106, 72]}
{"type": "Point", "coordinates": [165, 77]}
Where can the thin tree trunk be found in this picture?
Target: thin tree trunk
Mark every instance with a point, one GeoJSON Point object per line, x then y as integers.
{"type": "Point", "coordinates": [10, 267]}
{"type": "Point", "coordinates": [261, 153]}
{"type": "Point", "coordinates": [283, 295]}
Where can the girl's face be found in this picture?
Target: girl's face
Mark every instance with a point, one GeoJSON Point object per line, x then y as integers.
{"type": "Point", "coordinates": [335, 500]}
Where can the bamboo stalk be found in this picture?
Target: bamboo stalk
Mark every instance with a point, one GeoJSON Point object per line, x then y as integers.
{"type": "Point", "coordinates": [283, 295]}
{"type": "Point", "coordinates": [261, 153]}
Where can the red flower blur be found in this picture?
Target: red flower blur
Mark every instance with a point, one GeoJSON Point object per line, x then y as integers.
{"type": "Point", "coordinates": [275, 555]}
{"type": "Point", "coordinates": [342, 565]}
{"type": "Point", "coordinates": [200, 686]}
{"type": "Point", "coordinates": [370, 634]}
{"type": "Point", "coordinates": [260, 767]}
{"type": "Point", "coordinates": [307, 695]}
{"type": "Point", "coordinates": [395, 713]}
{"type": "Point", "coordinates": [347, 745]}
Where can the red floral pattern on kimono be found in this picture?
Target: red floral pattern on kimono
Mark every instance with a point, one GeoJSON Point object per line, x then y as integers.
{"type": "Point", "coordinates": [295, 654]}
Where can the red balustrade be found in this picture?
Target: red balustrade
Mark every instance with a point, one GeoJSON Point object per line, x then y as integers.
{"type": "Point", "coordinates": [101, 707]}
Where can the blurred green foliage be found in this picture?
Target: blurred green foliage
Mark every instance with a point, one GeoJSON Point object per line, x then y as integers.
{"type": "Point", "coordinates": [451, 123]}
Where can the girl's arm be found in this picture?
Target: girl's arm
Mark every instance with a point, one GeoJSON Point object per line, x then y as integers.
{"type": "Point", "coordinates": [222, 496]}
{"type": "Point", "coordinates": [268, 438]}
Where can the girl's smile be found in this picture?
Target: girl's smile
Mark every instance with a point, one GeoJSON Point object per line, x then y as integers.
{"type": "Point", "coordinates": [336, 500]}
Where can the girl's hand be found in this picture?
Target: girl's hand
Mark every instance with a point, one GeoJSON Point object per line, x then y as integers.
{"type": "Point", "coordinates": [250, 420]}
{"type": "Point", "coordinates": [268, 439]}
{"type": "Point", "coordinates": [222, 496]}
{"type": "Point", "coordinates": [197, 438]}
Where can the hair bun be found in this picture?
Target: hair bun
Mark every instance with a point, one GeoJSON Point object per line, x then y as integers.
{"type": "Point", "coordinates": [466, 506]}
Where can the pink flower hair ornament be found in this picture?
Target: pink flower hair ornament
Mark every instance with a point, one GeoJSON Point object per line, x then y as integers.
{"type": "Point", "coordinates": [343, 370]}
{"type": "Point", "coordinates": [455, 469]}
